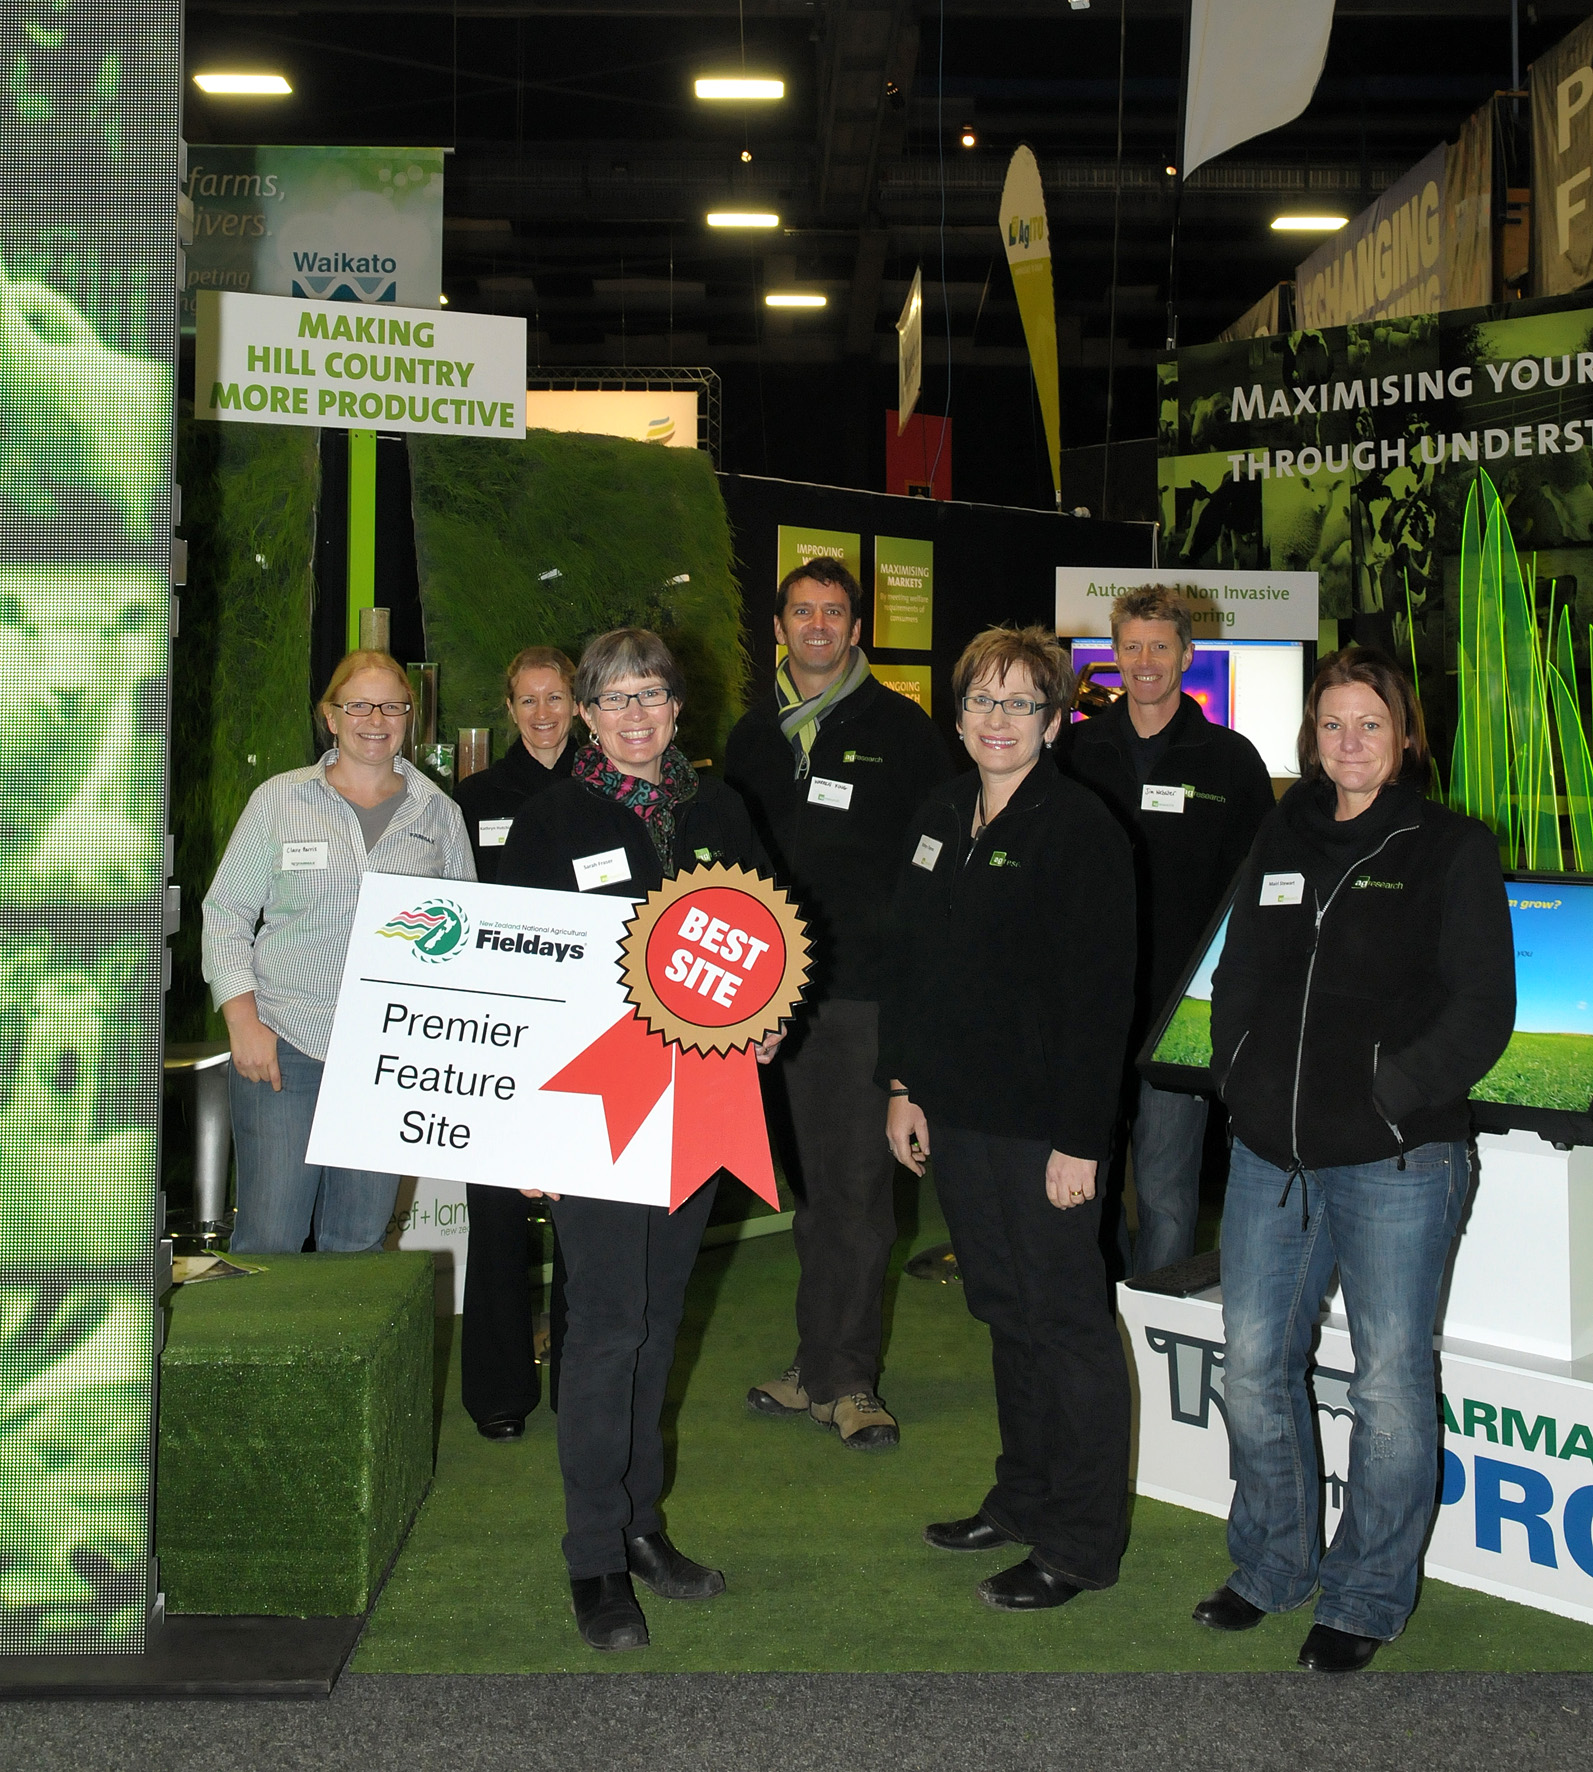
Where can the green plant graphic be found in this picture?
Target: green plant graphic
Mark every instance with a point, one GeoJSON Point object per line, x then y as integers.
{"type": "Point", "coordinates": [1517, 695]}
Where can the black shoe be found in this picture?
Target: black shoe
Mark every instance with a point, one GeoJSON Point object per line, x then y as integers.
{"type": "Point", "coordinates": [1330, 1651]}
{"type": "Point", "coordinates": [606, 1613]}
{"type": "Point", "coordinates": [501, 1427]}
{"type": "Point", "coordinates": [1026, 1587]}
{"type": "Point", "coordinates": [976, 1534]}
{"type": "Point", "coordinates": [654, 1561]}
{"type": "Point", "coordinates": [1226, 1610]}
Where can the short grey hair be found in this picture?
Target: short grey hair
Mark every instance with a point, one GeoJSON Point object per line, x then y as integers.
{"type": "Point", "coordinates": [626, 652]}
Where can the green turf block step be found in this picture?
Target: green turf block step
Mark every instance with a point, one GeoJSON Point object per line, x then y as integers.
{"type": "Point", "coordinates": [295, 1433]}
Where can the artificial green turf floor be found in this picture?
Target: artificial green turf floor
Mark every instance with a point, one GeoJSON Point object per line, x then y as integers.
{"type": "Point", "coordinates": [825, 1567]}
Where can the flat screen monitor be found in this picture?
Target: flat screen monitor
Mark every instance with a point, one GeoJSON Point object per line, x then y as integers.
{"type": "Point", "coordinates": [1544, 1081]}
{"type": "Point", "coordinates": [1257, 687]}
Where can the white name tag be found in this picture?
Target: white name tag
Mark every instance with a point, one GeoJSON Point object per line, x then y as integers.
{"type": "Point", "coordinates": [927, 853]}
{"type": "Point", "coordinates": [493, 833]}
{"type": "Point", "coordinates": [298, 858]}
{"type": "Point", "coordinates": [1282, 888]}
{"type": "Point", "coordinates": [600, 870]}
{"type": "Point", "coordinates": [830, 793]}
{"type": "Point", "coordinates": [1159, 799]}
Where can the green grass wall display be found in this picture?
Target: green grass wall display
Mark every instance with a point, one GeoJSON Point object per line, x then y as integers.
{"type": "Point", "coordinates": [241, 659]}
{"type": "Point", "coordinates": [553, 540]}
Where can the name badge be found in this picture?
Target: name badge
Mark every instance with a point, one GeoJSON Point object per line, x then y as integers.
{"type": "Point", "coordinates": [299, 858]}
{"type": "Point", "coordinates": [1159, 799]}
{"type": "Point", "coordinates": [830, 793]}
{"type": "Point", "coordinates": [493, 833]}
{"type": "Point", "coordinates": [1282, 888]}
{"type": "Point", "coordinates": [927, 853]}
{"type": "Point", "coordinates": [600, 870]}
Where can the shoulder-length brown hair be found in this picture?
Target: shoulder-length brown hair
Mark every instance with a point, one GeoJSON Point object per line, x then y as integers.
{"type": "Point", "coordinates": [1378, 672]}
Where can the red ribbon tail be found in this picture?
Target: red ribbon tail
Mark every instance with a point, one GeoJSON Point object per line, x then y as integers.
{"type": "Point", "coordinates": [629, 1068]}
{"type": "Point", "coordinates": [719, 1125]}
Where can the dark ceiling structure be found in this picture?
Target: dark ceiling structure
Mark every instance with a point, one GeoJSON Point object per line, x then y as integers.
{"type": "Point", "coordinates": [583, 167]}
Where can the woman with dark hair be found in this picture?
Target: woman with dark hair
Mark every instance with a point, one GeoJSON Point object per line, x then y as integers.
{"type": "Point", "coordinates": [633, 813]}
{"type": "Point", "coordinates": [1366, 984]}
{"type": "Point", "coordinates": [1007, 989]}
{"type": "Point", "coordinates": [498, 1380]}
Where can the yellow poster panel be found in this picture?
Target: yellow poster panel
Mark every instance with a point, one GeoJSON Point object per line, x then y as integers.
{"type": "Point", "coordinates": [909, 680]}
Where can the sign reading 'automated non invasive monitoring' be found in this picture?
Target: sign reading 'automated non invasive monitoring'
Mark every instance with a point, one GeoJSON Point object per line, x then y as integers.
{"type": "Point", "coordinates": [263, 359]}
{"type": "Point", "coordinates": [1223, 605]}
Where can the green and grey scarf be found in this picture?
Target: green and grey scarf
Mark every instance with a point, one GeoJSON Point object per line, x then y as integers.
{"type": "Point", "coordinates": [800, 720]}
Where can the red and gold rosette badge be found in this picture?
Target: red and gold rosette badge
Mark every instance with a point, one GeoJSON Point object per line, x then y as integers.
{"type": "Point", "coordinates": [715, 959]}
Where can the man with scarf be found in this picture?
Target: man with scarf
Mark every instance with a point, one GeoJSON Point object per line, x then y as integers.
{"type": "Point", "coordinates": [833, 766]}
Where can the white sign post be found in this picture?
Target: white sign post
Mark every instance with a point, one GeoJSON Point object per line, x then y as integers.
{"type": "Point", "coordinates": [268, 359]}
{"type": "Point", "coordinates": [459, 1002]}
{"type": "Point", "coordinates": [1225, 605]}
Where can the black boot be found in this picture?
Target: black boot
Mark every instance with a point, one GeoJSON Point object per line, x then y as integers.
{"type": "Point", "coordinates": [672, 1576]}
{"type": "Point", "coordinates": [606, 1613]}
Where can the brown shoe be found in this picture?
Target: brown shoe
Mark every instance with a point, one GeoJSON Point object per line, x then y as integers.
{"type": "Point", "coordinates": [783, 1396]}
{"type": "Point", "coordinates": [861, 1420]}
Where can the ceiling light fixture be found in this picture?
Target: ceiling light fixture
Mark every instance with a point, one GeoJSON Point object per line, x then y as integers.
{"type": "Point", "coordinates": [795, 299]}
{"type": "Point", "coordinates": [243, 85]}
{"type": "Point", "coordinates": [443, 299]}
{"type": "Point", "coordinates": [740, 87]}
{"type": "Point", "coordinates": [969, 136]}
{"type": "Point", "coordinates": [739, 218]}
{"type": "Point", "coordinates": [1308, 224]}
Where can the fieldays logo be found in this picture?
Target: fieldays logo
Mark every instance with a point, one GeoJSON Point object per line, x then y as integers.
{"type": "Point", "coordinates": [436, 930]}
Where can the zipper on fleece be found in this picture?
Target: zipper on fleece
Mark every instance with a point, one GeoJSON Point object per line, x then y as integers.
{"type": "Point", "coordinates": [1377, 1046]}
{"type": "Point", "coordinates": [1222, 1093]}
{"type": "Point", "coordinates": [1305, 1009]}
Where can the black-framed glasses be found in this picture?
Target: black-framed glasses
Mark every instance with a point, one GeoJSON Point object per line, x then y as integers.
{"type": "Point", "coordinates": [357, 710]}
{"type": "Point", "coordinates": [615, 701]}
{"type": "Point", "coordinates": [1017, 705]}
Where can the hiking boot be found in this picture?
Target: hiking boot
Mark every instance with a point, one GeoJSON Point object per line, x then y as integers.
{"type": "Point", "coordinates": [861, 1420]}
{"type": "Point", "coordinates": [782, 1396]}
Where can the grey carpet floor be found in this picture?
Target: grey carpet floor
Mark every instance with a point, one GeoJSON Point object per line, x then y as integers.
{"type": "Point", "coordinates": [834, 1723]}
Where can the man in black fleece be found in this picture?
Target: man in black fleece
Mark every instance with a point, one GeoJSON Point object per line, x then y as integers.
{"type": "Point", "coordinates": [1191, 796]}
{"type": "Point", "coordinates": [833, 766]}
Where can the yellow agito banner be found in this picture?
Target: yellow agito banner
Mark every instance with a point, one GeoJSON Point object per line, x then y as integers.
{"type": "Point", "coordinates": [1028, 246]}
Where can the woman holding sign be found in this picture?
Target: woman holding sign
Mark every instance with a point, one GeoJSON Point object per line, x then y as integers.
{"type": "Point", "coordinates": [1367, 982]}
{"type": "Point", "coordinates": [277, 922]}
{"type": "Point", "coordinates": [498, 1374]}
{"type": "Point", "coordinates": [1009, 986]}
{"type": "Point", "coordinates": [633, 812]}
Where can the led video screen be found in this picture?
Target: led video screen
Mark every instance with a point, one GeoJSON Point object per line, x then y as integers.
{"type": "Point", "coordinates": [88, 287]}
{"type": "Point", "coordinates": [1544, 1081]}
{"type": "Point", "coordinates": [1256, 687]}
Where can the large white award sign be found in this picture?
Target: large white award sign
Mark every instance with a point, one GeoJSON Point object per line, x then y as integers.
{"type": "Point", "coordinates": [567, 1041]}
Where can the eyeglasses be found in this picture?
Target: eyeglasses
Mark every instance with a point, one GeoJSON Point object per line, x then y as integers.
{"type": "Point", "coordinates": [614, 701]}
{"type": "Point", "coordinates": [357, 710]}
{"type": "Point", "coordinates": [1017, 705]}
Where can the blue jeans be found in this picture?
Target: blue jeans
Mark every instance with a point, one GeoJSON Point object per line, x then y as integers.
{"type": "Point", "coordinates": [1389, 1230]}
{"type": "Point", "coordinates": [1169, 1130]}
{"type": "Point", "coordinates": [279, 1194]}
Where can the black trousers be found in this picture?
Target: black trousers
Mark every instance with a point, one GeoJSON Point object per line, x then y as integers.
{"type": "Point", "coordinates": [498, 1375]}
{"type": "Point", "coordinates": [1036, 1276]}
{"type": "Point", "coordinates": [845, 1219]}
{"type": "Point", "coordinates": [626, 1269]}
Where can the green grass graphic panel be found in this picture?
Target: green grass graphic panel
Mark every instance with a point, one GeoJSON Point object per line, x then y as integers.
{"type": "Point", "coordinates": [550, 541]}
{"type": "Point", "coordinates": [1542, 1071]}
{"type": "Point", "coordinates": [241, 660]}
{"type": "Point", "coordinates": [1187, 1037]}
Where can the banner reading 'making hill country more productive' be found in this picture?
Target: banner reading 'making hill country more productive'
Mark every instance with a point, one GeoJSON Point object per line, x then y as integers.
{"type": "Point", "coordinates": [1351, 452]}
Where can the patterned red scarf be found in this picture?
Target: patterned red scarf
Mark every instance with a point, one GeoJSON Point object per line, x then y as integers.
{"type": "Point", "coordinates": [654, 806]}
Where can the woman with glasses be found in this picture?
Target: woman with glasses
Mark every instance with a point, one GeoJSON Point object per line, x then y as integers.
{"type": "Point", "coordinates": [539, 687]}
{"type": "Point", "coordinates": [633, 812]}
{"type": "Point", "coordinates": [277, 922]}
{"type": "Point", "coordinates": [1009, 981]}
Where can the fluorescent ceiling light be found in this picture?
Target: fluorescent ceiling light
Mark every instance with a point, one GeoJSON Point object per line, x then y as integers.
{"type": "Point", "coordinates": [795, 300]}
{"type": "Point", "coordinates": [243, 85]}
{"type": "Point", "coordinates": [740, 87]}
{"type": "Point", "coordinates": [739, 218]}
{"type": "Point", "coordinates": [1308, 224]}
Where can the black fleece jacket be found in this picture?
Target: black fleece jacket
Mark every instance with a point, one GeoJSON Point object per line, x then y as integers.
{"type": "Point", "coordinates": [1183, 861]}
{"type": "Point", "coordinates": [839, 863]}
{"type": "Point", "coordinates": [500, 792]}
{"type": "Point", "coordinates": [569, 820]}
{"type": "Point", "coordinates": [1351, 1025]}
{"type": "Point", "coordinates": [1008, 985]}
